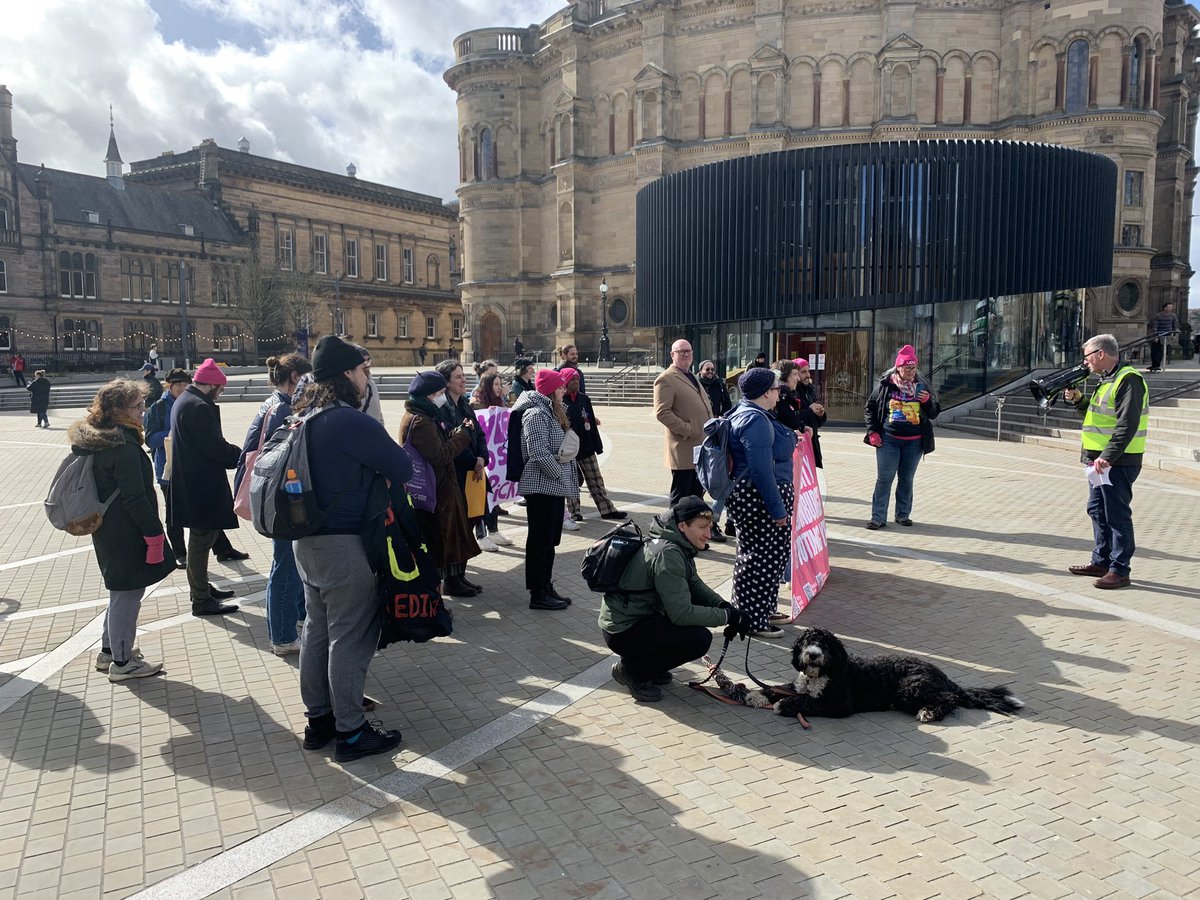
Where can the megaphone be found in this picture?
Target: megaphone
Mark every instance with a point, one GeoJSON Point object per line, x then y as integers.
{"type": "Point", "coordinates": [1046, 390]}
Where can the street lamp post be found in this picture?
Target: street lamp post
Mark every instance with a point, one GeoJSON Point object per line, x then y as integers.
{"type": "Point", "coordinates": [606, 357]}
{"type": "Point", "coordinates": [337, 304]}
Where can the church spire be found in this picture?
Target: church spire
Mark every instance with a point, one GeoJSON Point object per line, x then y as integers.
{"type": "Point", "coordinates": [113, 165]}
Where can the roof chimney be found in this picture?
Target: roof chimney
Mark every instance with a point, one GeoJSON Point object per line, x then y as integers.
{"type": "Point", "coordinates": [351, 170]}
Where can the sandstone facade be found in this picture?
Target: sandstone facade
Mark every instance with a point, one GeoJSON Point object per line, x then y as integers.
{"type": "Point", "coordinates": [562, 123]}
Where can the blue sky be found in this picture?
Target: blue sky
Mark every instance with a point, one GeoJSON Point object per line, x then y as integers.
{"type": "Point", "coordinates": [322, 83]}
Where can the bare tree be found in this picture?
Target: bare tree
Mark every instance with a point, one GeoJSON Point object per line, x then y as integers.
{"type": "Point", "coordinates": [299, 292]}
{"type": "Point", "coordinates": [258, 306]}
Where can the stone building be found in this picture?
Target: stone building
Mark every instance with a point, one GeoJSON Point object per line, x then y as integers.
{"type": "Point", "coordinates": [384, 260]}
{"type": "Point", "coordinates": [92, 268]}
{"type": "Point", "coordinates": [560, 124]}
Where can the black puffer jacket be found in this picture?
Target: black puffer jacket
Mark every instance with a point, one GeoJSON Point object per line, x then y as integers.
{"type": "Point", "coordinates": [120, 464]}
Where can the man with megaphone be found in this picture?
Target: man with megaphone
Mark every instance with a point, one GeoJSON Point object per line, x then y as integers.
{"type": "Point", "coordinates": [1115, 423]}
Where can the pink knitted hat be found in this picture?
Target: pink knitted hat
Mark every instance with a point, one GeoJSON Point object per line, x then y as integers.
{"type": "Point", "coordinates": [801, 362]}
{"type": "Point", "coordinates": [548, 381]}
{"type": "Point", "coordinates": [208, 372]}
{"type": "Point", "coordinates": [906, 356]}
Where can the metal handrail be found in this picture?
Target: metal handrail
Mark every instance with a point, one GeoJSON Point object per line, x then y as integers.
{"type": "Point", "coordinates": [1176, 391]}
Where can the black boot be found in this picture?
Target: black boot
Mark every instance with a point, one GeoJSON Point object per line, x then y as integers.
{"type": "Point", "coordinates": [213, 608]}
{"type": "Point", "coordinates": [542, 600]}
{"type": "Point", "coordinates": [455, 586]}
{"type": "Point", "coordinates": [553, 594]}
{"type": "Point", "coordinates": [319, 731]}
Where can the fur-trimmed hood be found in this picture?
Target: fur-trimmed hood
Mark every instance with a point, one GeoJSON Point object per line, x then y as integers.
{"type": "Point", "coordinates": [87, 438]}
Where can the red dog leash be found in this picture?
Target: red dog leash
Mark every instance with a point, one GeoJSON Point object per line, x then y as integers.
{"type": "Point", "coordinates": [736, 694]}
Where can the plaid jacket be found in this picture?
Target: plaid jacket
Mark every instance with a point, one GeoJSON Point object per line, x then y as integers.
{"type": "Point", "coordinates": [541, 436]}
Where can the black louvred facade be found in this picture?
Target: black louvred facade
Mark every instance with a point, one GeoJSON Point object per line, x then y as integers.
{"type": "Point", "coordinates": [866, 226]}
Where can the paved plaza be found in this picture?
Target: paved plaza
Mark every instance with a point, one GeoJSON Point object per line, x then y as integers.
{"type": "Point", "coordinates": [526, 772]}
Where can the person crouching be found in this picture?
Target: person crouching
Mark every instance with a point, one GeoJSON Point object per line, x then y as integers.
{"type": "Point", "coordinates": [660, 616]}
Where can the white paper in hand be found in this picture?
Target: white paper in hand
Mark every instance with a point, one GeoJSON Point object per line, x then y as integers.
{"type": "Point", "coordinates": [1097, 478]}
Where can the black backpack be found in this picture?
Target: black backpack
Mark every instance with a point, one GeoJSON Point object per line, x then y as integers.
{"type": "Point", "coordinates": [606, 560]}
{"type": "Point", "coordinates": [516, 458]}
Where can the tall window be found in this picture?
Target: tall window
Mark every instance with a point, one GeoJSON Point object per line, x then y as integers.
{"type": "Point", "coordinates": [456, 328]}
{"type": "Point", "coordinates": [3, 279]}
{"type": "Point", "coordinates": [1136, 58]}
{"type": "Point", "coordinates": [4, 225]}
{"type": "Point", "coordinates": [168, 282]}
{"type": "Point", "coordinates": [286, 247]}
{"type": "Point", "coordinates": [351, 258]}
{"type": "Point", "coordinates": [373, 324]}
{"type": "Point", "coordinates": [430, 328]}
{"type": "Point", "coordinates": [381, 262]}
{"type": "Point", "coordinates": [227, 337]}
{"type": "Point", "coordinates": [138, 278]}
{"type": "Point", "coordinates": [1133, 188]}
{"type": "Point", "coordinates": [5, 330]}
{"type": "Point", "coordinates": [81, 335]}
{"type": "Point", "coordinates": [409, 275]}
{"type": "Point", "coordinates": [401, 325]}
{"type": "Point", "coordinates": [1077, 76]}
{"type": "Point", "coordinates": [321, 253]}
{"type": "Point", "coordinates": [139, 335]}
{"type": "Point", "coordinates": [222, 287]}
{"type": "Point", "coordinates": [172, 342]}
{"type": "Point", "coordinates": [77, 275]}
{"type": "Point", "coordinates": [453, 257]}
{"type": "Point", "coordinates": [433, 271]}
{"type": "Point", "coordinates": [1131, 235]}
{"type": "Point", "coordinates": [487, 155]}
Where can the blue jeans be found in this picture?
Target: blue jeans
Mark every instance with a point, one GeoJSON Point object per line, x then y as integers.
{"type": "Point", "coordinates": [894, 458]}
{"type": "Point", "coordinates": [285, 595]}
{"type": "Point", "coordinates": [1112, 519]}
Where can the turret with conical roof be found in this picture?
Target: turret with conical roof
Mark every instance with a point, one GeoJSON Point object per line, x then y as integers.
{"type": "Point", "coordinates": [113, 165]}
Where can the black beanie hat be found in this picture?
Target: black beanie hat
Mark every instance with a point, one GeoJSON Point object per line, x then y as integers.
{"type": "Point", "coordinates": [689, 508]}
{"type": "Point", "coordinates": [333, 355]}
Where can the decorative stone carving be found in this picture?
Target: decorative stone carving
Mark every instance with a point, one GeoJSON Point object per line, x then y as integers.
{"type": "Point", "coordinates": [1103, 136]}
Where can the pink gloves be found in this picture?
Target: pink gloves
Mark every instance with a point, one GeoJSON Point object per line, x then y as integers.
{"type": "Point", "coordinates": [875, 439]}
{"type": "Point", "coordinates": [154, 549]}
{"type": "Point", "coordinates": [923, 397]}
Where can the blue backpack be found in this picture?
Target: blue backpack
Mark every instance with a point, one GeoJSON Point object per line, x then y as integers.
{"type": "Point", "coordinates": [714, 465]}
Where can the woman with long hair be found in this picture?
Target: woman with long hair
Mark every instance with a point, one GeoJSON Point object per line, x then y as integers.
{"type": "Point", "coordinates": [488, 394]}
{"type": "Point", "coordinates": [129, 542]}
{"type": "Point", "coordinates": [285, 591]}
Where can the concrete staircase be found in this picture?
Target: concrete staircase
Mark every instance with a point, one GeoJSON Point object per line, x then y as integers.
{"type": "Point", "coordinates": [1173, 444]}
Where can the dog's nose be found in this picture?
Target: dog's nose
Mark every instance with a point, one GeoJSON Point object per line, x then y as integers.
{"type": "Point", "coordinates": [812, 655]}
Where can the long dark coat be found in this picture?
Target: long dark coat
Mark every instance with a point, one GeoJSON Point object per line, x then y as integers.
{"type": "Point", "coordinates": [39, 395]}
{"type": "Point", "coordinates": [448, 529]}
{"type": "Point", "coordinates": [121, 464]}
{"type": "Point", "coordinates": [584, 424]}
{"type": "Point", "coordinates": [200, 455]}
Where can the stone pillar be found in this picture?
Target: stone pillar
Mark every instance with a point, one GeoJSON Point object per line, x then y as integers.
{"type": "Point", "coordinates": [1060, 82]}
{"type": "Point", "coordinates": [939, 94]}
{"type": "Point", "coordinates": [816, 99]}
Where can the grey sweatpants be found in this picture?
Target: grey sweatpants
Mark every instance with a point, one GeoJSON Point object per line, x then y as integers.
{"type": "Point", "coordinates": [120, 622]}
{"type": "Point", "coordinates": [342, 632]}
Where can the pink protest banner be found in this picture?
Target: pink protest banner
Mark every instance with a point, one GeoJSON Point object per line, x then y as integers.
{"type": "Point", "coordinates": [494, 422]}
{"type": "Point", "coordinates": [810, 548]}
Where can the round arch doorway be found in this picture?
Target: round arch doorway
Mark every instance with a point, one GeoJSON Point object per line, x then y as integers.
{"type": "Point", "coordinates": [490, 334]}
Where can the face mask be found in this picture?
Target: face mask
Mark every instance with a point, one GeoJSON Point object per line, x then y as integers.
{"type": "Point", "coordinates": [439, 400]}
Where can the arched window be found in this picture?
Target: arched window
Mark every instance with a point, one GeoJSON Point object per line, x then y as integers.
{"type": "Point", "coordinates": [1128, 297]}
{"type": "Point", "coordinates": [3, 280]}
{"type": "Point", "coordinates": [5, 327]}
{"type": "Point", "coordinates": [1077, 76]}
{"type": "Point", "coordinates": [433, 271]}
{"type": "Point", "coordinates": [487, 155]}
{"type": "Point", "coordinates": [1137, 59]}
{"type": "Point", "coordinates": [5, 225]}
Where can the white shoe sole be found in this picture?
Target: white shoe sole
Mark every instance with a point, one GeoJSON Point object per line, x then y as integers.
{"type": "Point", "coordinates": [145, 670]}
{"type": "Point", "coordinates": [501, 540]}
{"type": "Point", "coordinates": [487, 546]}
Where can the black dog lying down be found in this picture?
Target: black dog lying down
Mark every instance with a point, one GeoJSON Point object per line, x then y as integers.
{"type": "Point", "coordinates": [833, 683]}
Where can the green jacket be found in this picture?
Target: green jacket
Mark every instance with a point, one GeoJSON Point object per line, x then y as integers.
{"type": "Point", "coordinates": [662, 581]}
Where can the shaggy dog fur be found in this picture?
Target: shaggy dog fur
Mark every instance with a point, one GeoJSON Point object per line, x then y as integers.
{"type": "Point", "coordinates": [833, 683]}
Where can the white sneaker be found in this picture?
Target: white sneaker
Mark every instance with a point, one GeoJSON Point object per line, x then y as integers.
{"type": "Point", "coordinates": [104, 660]}
{"type": "Point", "coordinates": [286, 649]}
{"type": "Point", "coordinates": [135, 668]}
{"type": "Point", "coordinates": [502, 539]}
{"type": "Point", "coordinates": [487, 545]}
{"type": "Point", "coordinates": [570, 525]}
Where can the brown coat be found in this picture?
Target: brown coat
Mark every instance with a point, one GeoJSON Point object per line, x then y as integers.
{"type": "Point", "coordinates": [683, 408]}
{"type": "Point", "coordinates": [455, 540]}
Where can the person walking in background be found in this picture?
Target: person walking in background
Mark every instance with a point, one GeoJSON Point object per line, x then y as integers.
{"type": "Point", "coordinates": [347, 451]}
{"type": "Point", "coordinates": [154, 388]}
{"type": "Point", "coordinates": [548, 446]}
{"type": "Point", "coordinates": [899, 416]}
{"type": "Point", "coordinates": [760, 450]}
{"type": "Point", "coordinates": [660, 616]}
{"type": "Point", "coordinates": [39, 398]}
{"type": "Point", "coordinates": [489, 394]}
{"type": "Point", "coordinates": [1116, 421]}
{"type": "Point", "coordinates": [423, 351]}
{"type": "Point", "coordinates": [718, 398]}
{"type": "Point", "coordinates": [681, 406]}
{"type": "Point", "coordinates": [129, 542]}
{"type": "Point", "coordinates": [518, 347]}
{"type": "Point", "coordinates": [1165, 324]}
{"type": "Point", "coordinates": [152, 358]}
{"type": "Point", "coordinates": [587, 428]}
{"type": "Point", "coordinates": [449, 537]}
{"type": "Point", "coordinates": [285, 591]}
{"type": "Point", "coordinates": [200, 498]}
{"type": "Point", "coordinates": [17, 363]}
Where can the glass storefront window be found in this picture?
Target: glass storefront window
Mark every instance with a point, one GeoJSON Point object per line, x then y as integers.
{"type": "Point", "coordinates": [894, 329]}
{"type": "Point", "coordinates": [959, 348]}
{"type": "Point", "coordinates": [1010, 324]}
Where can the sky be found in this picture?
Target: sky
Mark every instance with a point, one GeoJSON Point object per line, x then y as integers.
{"type": "Point", "coordinates": [322, 83]}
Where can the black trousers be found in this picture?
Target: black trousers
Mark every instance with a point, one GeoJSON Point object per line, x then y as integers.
{"type": "Point", "coordinates": [1156, 354]}
{"type": "Point", "coordinates": [177, 545]}
{"type": "Point", "coordinates": [684, 483]}
{"type": "Point", "coordinates": [655, 645]}
{"type": "Point", "coordinates": [545, 515]}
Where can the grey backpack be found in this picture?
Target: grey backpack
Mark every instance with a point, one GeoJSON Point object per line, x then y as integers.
{"type": "Point", "coordinates": [73, 504]}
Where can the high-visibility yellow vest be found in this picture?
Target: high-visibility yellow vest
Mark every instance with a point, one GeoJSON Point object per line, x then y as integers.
{"type": "Point", "coordinates": [1100, 420]}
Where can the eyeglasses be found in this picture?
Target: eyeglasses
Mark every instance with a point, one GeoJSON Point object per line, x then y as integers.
{"type": "Point", "coordinates": [682, 352]}
{"type": "Point", "coordinates": [1092, 353]}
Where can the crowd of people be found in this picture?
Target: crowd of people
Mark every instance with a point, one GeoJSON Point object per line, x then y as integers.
{"type": "Point", "coordinates": [321, 598]}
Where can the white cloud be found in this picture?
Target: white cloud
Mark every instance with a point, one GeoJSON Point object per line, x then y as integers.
{"type": "Point", "coordinates": [317, 82]}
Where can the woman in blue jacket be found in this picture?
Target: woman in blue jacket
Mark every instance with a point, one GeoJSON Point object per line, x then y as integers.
{"type": "Point", "coordinates": [285, 591]}
{"type": "Point", "coordinates": [761, 503]}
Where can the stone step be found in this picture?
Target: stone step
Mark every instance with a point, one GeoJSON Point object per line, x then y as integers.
{"type": "Point", "coordinates": [1163, 442]}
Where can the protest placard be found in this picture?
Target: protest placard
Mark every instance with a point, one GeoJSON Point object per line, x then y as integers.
{"type": "Point", "coordinates": [494, 422]}
{"type": "Point", "coordinates": [810, 547]}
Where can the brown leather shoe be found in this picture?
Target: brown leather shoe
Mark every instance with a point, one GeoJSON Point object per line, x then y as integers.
{"type": "Point", "coordinates": [1090, 569]}
{"type": "Point", "coordinates": [1111, 581]}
